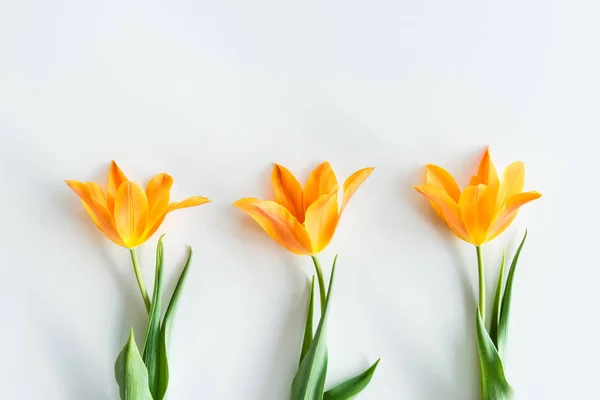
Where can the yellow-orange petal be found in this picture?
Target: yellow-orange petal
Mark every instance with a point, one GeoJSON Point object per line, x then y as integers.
{"type": "Point", "coordinates": [288, 191]}
{"type": "Point", "coordinates": [131, 213]}
{"type": "Point", "coordinates": [96, 210]}
{"type": "Point", "coordinates": [151, 229]}
{"type": "Point", "coordinates": [513, 181]}
{"type": "Point", "coordinates": [438, 176]}
{"type": "Point", "coordinates": [486, 173]}
{"type": "Point", "coordinates": [321, 181]}
{"type": "Point", "coordinates": [96, 193]}
{"type": "Point", "coordinates": [189, 202]}
{"type": "Point", "coordinates": [279, 224]}
{"type": "Point", "coordinates": [510, 211]}
{"type": "Point", "coordinates": [321, 220]}
{"type": "Point", "coordinates": [158, 192]}
{"type": "Point", "coordinates": [448, 207]}
{"type": "Point", "coordinates": [477, 208]}
{"type": "Point", "coordinates": [352, 183]}
{"type": "Point", "coordinates": [82, 191]}
{"type": "Point", "coordinates": [115, 178]}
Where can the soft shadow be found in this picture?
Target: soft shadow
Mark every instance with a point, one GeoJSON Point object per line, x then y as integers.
{"type": "Point", "coordinates": [465, 348]}
{"type": "Point", "coordinates": [120, 274]}
{"type": "Point", "coordinates": [69, 354]}
{"type": "Point", "coordinates": [290, 338]}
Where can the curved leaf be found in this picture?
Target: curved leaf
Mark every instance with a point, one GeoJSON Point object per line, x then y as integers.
{"type": "Point", "coordinates": [150, 354]}
{"type": "Point", "coordinates": [505, 310]}
{"type": "Point", "coordinates": [308, 328]}
{"type": "Point", "coordinates": [493, 383]}
{"type": "Point", "coordinates": [309, 382]}
{"type": "Point", "coordinates": [353, 386]}
{"type": "Point", "coordinates": [162, 378]}
{"type": "Point", "coordinates": [498, 302]}
{"type": "Point", "coordinates": [131, 373]}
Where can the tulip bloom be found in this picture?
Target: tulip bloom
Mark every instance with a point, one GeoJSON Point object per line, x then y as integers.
{"type": "Point", "coordinates": [486, 208]}
{"type": "Point", "coordinates": [481, 212]}
{"type": "Point", "coordinates": [303, 220]}
{"type": "Point", "coordinates": [127, 214]}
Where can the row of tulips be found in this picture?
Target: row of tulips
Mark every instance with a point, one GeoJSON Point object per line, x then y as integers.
{"type": "Point", "coordinates": [304, 220]}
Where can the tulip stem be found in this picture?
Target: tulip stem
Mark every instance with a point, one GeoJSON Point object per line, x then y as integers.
{"type": "Point", "coordinates": [138, 276]}
{"type": "Point", "coordinates": [481, 283]}
{"type": "Point", "coordinates": [321, 282]}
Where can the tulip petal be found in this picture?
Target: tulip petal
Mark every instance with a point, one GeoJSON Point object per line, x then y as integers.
{"type": "Point", "coordinates": [105, 219]}
{"type": "Point", "coordinates": [513, 181]}
{"type": "Point", "coordinates": [158, 193]}
{"type": "Point", "coordinates": [288, 191]}
{"type": "Point", "coordinates": [279, 223]}
{"type": "Point", "coordinates": [95, 205]}
{"type": "Point", "coordinates": [321, 181]}
{"type": "Point", "coordinates": [510, 211]}
{"type": "Point", "coordinates": [448, 207]}
{"type": "Point", "coordinates": [438, 176]}
{"type": "Point", "coordinates": [189, 202]}
{"type": "Point", "coordinates": [115, 178]}
{"type": "Point", "coordinates": [477, 207]}
{"type": "Point", "coordinates": [352, 184]}
{"type": "Point", "coordinates": [486, 173]}
{"type": "Point", "coordinates": [96, 194]}
{"type": "Point", "coordinates": [321, 221]}
{"type": "Point", "coordinates": [131, 213]}
{"type": "Point", "coordinates": [82, 191]}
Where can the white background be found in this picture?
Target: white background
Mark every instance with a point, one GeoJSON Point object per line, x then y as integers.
{"type": "Point", "coordinates": [214, 93]}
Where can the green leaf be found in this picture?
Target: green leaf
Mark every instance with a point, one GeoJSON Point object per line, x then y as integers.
{"type": "Point", "coordinates": [505, 310]}
{"type": "Point", "coordinates": [308, 328]}
{"type": "Point", "coordinates": [150, 353]}
{"type": "Point", "coordinates": [131, 373]}
{"type": "Point", "coordinates": [162, 377]}
{"type": "Point", "coordinates": [498, 302]}
{"type": "Point", "coordinates": [493, 383]}
{"type": "Point", "coordinates": [352, 387]}
{"type": "Point", "coordinates": [309, 382]}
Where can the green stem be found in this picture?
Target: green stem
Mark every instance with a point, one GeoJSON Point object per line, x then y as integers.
{"type": "Point", "coordinates": [481, 283]}
{"type": "Point", "coordinates": [321, 282]}
{"type": "Point", "coordinates": [138, 276]}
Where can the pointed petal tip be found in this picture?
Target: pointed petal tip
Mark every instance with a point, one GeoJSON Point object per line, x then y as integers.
{"type": "Point", "coordinates": [369, 170]}
{"type": "Point", "coordinates": [420, 188]}
{"type": "Point", "coordinates": [243, 203]}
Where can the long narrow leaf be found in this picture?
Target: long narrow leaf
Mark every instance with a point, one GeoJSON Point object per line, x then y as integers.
{"type": "Point", "coordinates": [493, 383]}
{"type": "Point", "coordinates": [309, 382]}
{"type": "Point", "coordinates": [498, 302]}
{"type": "Point", "coordinates": [308, 328]}
{"type": "Point", "coordinates": [505, 311]}
{"type": "Point", "coordinates": [131, 373]}
{"type": "Point", "coordinates": [353, 386]}
{"type": "Point", "coordinates": [162, 378]}
{"type": "Point", "coordinates": [150, 354]}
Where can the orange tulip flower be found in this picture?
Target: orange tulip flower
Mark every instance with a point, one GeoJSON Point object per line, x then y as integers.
{"type": "Point", "coordinates": [486, 207]}
{"type": "Point", "coordinates": [303, 220]}
{"type": "Point", "coordinates": [127, 214]}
